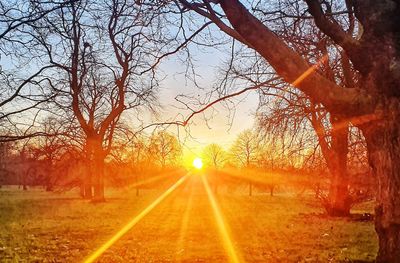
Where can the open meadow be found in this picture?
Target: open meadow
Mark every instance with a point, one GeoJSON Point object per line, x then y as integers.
{"type": "Point", "coordinates": [38, 226]}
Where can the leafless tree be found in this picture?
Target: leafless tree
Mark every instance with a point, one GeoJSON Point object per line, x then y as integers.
{"type": "Point", "coordinates": [23, 91]}
{"type": "Point", "coordinates": [164, 148]}
{"type": "Point", "coordinates": [373, 106]}
{"type": "Point", "coordinates": [244, 151]}
{"type": "Point", "coordinates": [214, 156]}
{"type": "Point", "coordinates": [99, 56]}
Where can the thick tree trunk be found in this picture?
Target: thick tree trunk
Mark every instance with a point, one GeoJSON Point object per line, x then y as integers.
{"type": "Point", "coordinates": [49, 183]}
{"type": "Point", "coordinates": [98, 185]}
{"type": "Point", "coordinates": [338, 202]}
{"type": "Point", "coordinates": [87, 186]}
{"type": "Point", "coordinates": [383, 142]}
{"type": "Point", "coordinates": [87, 179]}
{"type": "Point", "coordinates": [339, 199]}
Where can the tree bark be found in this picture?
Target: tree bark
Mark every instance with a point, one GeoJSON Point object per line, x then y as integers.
{"type": "Point", "coordinates": [88, 169]}
{"type": "Point", "coordinates": [383, 142]}
{"type": "Point", "coordinates": [87, 185]}
{"type": "Point", "coordinates": [339, 198]}
{"type": "Point", "coordinates": [82, 189]}
{"type": "Point", "coordinates": [98, 182]}
{"type": "Point", "coordinates": [49, 175]}
{"type": "Point", "coordinates": [292, 67]}
{"type": "Point", "coordinates": [338, 202]}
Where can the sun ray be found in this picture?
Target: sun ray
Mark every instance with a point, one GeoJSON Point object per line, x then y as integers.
{"type": "Point", "coordinates": [310, 70]}
{"type": "Point", "coordinates": [184, 225]}
{"type": "Point", "coordinates": [152, 179]}
{"type": "Point", "coordinates": [250, 175]}
{"type": "Point", "coordinates": [222, 227]}
{"type": "Point", "coordinates": [133, 222]}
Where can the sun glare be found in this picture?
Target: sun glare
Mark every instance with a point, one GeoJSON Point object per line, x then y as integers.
{"type": "Point", "coordinates": [133, 222]}
{"type": "Point", "coordinates": [198, 163]}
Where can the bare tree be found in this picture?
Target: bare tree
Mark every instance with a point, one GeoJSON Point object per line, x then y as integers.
{"type": "Point", "coordinates": [165, 149]}
{"type": "Point", "coordinates": [373, 106]}
{"type": "Point", "coordinates": [279, 101]}
{"type": "Point", "coordinates": [23, 87]}
{"type": "Point", "coordinates": [244, 151]}
{"type": "Point", "coordinates": [98, 55]}
{"type": "Point", "coordinates": [214, 156]}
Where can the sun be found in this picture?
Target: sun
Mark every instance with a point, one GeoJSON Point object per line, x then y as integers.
{"type": "Point", "coordinates": [198, 163]}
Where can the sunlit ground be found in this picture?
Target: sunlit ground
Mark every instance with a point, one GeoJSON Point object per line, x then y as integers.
{"type": "Point", "coordinates": [188, 224]}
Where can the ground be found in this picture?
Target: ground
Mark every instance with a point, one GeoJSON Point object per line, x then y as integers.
{"type": "Point", "coordinates": [38, 226]}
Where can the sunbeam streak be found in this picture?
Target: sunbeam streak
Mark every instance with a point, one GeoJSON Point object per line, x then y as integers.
{"type": "Point", "coordinates": [222, 227]}
{"type": "Point", "coordinates": [309, 70]}
{"type": "Point", "coordinates": [133, 222]}
{"type": "Point", "coordinates": [184, 227]}
{"type": "Point", "coordinates": [151, 180]}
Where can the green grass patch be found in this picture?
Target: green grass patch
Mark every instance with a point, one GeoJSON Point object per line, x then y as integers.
{"type": "Point", "coordinates": [37, 226]}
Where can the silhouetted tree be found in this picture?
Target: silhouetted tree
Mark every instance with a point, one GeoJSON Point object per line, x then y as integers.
{"type": "Point", "coordinates": [214, 156]}
{"type": "Point", "coordinates": [373, 106]}
{"type": "Point", "coordinates": [164, 149]}
{"type": "Point", "coordinates": [244, 151]}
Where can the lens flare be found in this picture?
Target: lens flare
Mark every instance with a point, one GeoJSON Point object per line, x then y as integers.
{"type": "Point", "coordinates": [222, 227]}
{"type": "Point", "coordinates": [133, 222]}
{"type": "Point", "coordinates": [198, 163]}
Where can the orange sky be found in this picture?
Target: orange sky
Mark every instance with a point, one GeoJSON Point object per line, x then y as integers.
{"type": "Point", "coordinates": [219, 129]}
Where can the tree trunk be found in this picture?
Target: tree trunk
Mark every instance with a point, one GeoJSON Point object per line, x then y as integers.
{"type": "Point", "coordinates": [87, 185]}
{"type": "Point", "coordinates": [339, 198]}
{"type": "Point", "coordinates": [49, 187]}
{"type": "Point", "coordinates": [383, 142]}
{"type": "Point", "coordinates": [82, 189]}
{"type": "Point", "coordinates": [338, 202]}
{"type": "Point", "coordinates": [24, 183]}
{"type": "Point", "coordinates": [86, 182]}
{"type": "Point", "coordinates": [88, 170]}
{"type": "Point", "coordinates": [250, 189]}
{"type": "Point", "coordinates": [49, 176]}
{"type": "Point", "coordinates": [98, 185]}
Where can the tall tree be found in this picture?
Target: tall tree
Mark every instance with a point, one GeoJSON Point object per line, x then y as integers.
{"type": "Point", "coordinates": [244, 151]}
{"type": "Point", "coordinates": [374, 106]}
{"type": "Point", "coordinates": [214, 156]}
{"type": "Point", "coordinates": [164, 149]}
{"type": "Point", "coordinates": [99, 56]}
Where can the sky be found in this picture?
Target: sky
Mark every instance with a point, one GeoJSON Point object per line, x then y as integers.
{"type": "Point", "coordinates": [224, 125]}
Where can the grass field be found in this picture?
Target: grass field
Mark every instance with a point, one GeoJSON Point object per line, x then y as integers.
{"type": "Point", "coordinates": [37, 226]}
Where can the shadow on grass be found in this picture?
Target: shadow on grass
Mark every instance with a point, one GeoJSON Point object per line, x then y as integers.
{"type": "Point", "coordinates": [357, 261]}
{"type": "Point", "coordinates": [354, 217]}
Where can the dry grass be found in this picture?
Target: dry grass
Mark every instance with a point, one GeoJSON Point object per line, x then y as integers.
{"type": "Point", "coordinates": [45, 227]}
